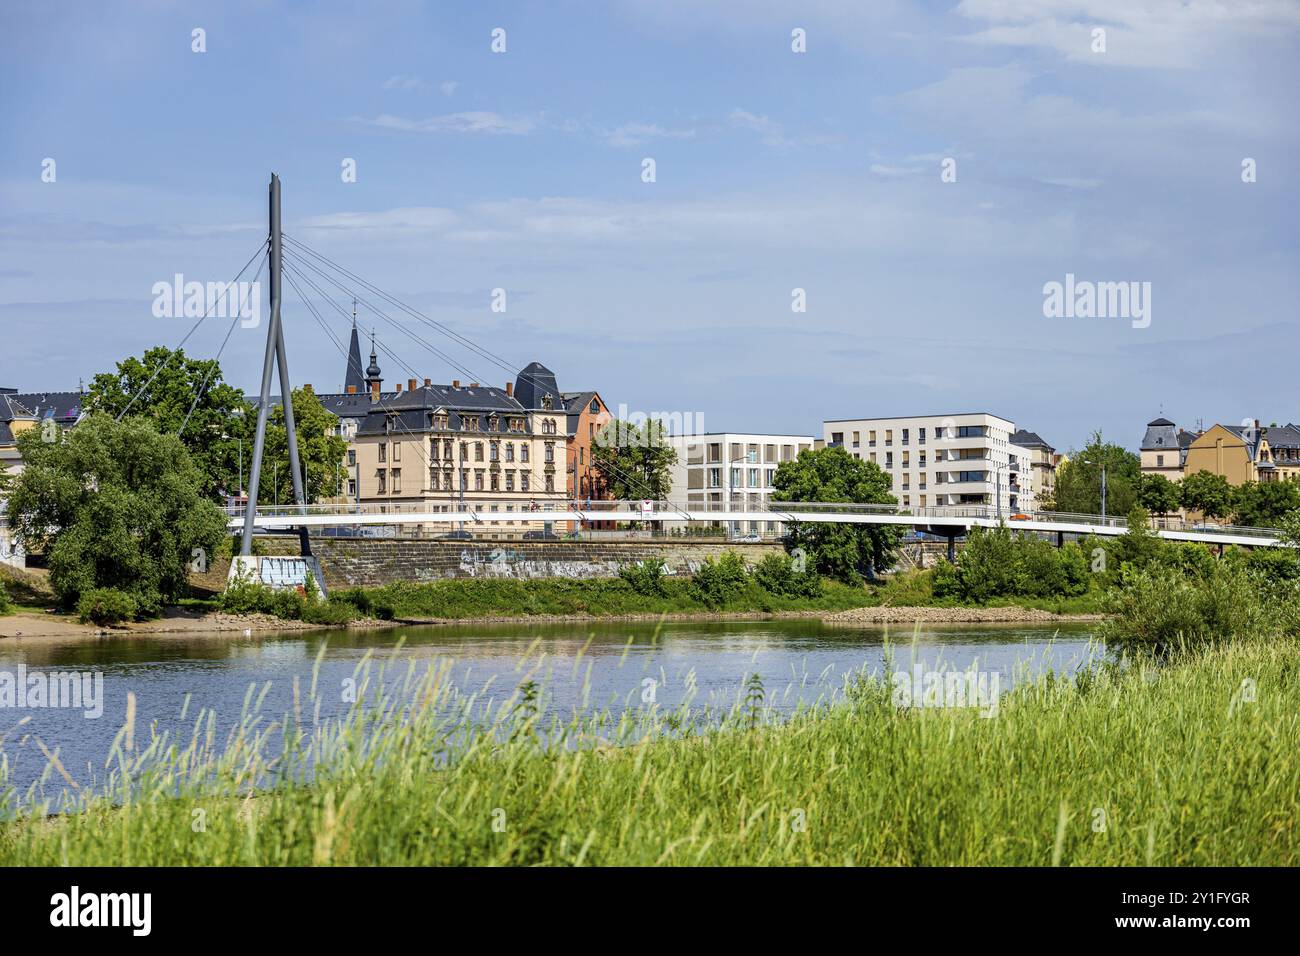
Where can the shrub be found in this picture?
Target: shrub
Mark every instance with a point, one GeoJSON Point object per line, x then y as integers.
{"type": "Point", "coordinates": [367, 603]}
{"type": "Point", "coordinates": [776, 574]}
{"type": "Point", "coordinates": [1161, 609]}
{"type": "Point", "coordinates": [645, 577]}
{"type": "Point", "coordinates": [720, 580]}
{"type": "Point", "coordinates": [254, 597]}
{"type": "Point", "coordinates": [945, 581]}
{"type": "Point", "coordinates": [6, 605]}
{"type": "Point", "coordinates": [106, 606]}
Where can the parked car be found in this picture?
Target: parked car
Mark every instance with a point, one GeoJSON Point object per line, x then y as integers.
{"type": "Point", "coordinates": [541, 536]}
{"type": "Point", "coordinates": [751, 538]}
{"type": "Point", "coordinates": [457, 536]}
{"type": "Point", "coordinates": [1019, 516]}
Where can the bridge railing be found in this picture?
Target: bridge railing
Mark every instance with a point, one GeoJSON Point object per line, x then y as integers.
{"type": "Point", "coordinates": [778, 511]}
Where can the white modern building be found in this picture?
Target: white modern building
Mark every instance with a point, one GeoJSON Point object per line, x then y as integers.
{"type": "Point", "coordinates": [719, 467]}
{"type": "Point", "coordinates": [941, 460]}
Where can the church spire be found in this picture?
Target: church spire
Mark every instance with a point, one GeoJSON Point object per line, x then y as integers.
{"type": "Point", "coordinates": [372, 373]}
{"type": "Point", "coordinates": [354, 378]}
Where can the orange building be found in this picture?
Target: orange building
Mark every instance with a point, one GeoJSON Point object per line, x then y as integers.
{"type": "Point", "coordinates": [587, 415]}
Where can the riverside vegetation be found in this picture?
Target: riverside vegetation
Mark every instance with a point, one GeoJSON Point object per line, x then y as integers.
{"type": "Point", "coordinates": [1180, 751]}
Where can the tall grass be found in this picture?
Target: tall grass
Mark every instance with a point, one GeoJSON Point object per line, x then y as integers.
{"type": "Point", "coordinates": [1197, 762]}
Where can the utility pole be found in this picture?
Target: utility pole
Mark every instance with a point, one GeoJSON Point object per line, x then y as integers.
{"type": "Point", "coordinates": [274, 355]}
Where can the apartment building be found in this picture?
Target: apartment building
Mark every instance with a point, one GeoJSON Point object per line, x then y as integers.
{"type": "Point", "coordinates": [941, 460]}
{"type": "Point", "coordinates": [1039, 482]}
{"type": "Point", "coordinates": [439, 448]}
{"type": "Point", "coordinates": [719, 467]}
{"type": "Point", "coordinates": [586, 415]}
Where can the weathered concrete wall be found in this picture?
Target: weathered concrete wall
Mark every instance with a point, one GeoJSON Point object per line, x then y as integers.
{"type": "Point", "coordinates": [350, 562]}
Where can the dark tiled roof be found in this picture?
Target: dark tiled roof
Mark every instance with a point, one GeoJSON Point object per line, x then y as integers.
{"type": "Point", "coordinates": [1028, 439]}
{"type": "Point", "coordinates": [1161, 435]}
{"type": "Point", "coordinates": [63, 407]}
{"type": "Point", "coordinates": [534, 384]}
{"type": "Point", "coordinates": [1162, 422]}
{"type": "Point", "coordinates": [11, 408]}
{"type": "Point", "coordinates": [345, 405]}
{"type": "Point", "coordinates": [1283, 436]}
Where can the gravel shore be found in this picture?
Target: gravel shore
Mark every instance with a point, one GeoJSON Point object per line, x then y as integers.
{"type": "Point", "coordinates": [951, 615]}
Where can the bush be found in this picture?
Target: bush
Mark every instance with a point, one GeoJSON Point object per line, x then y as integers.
{"type": "Point", "coordinates": [720, 580]}
{"type": "Point", "coordinates": [1161, 609]}
{"type": "Point", "coordinates": [106, 606]}
{"type": "Point", "coordinates": [776, 574]}
{"type": "Point", "coordinates": [645, 577]}
{"type": "Point", "coordinates": [254, 597]}
{"type": "Point", "coordinates": [366, 603]}
{"type": "Point", "coordinates": [6, 605]}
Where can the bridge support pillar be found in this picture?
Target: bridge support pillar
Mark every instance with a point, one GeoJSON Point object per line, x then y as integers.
{"type": "Point", "coordinates": [1060, 539]}
{"type": "Point", "coordinates": [952, 549]}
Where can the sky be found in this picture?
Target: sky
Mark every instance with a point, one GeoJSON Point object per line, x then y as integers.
{"type": "Point", "coordinates": [921, 171]}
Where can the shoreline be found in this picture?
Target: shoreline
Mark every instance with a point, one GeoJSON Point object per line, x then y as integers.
{"type": "Point", "coordinates": [45, 626]}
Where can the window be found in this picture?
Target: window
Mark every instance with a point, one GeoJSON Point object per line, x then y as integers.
{"type": "Point", "coordinates": [494, 451]}
{"type": "Point", "coordinates": [397, 481]}
{"type": "Point", "coordinates": [478, 481]}
{"type": "Point", "coordinates": [352, 458]}
{"type": "Point", "coordinates": [433, 479]}
{"type": "Point", "coordinates": [397, 451]}
{"type": "Point", "coordinates": [753, 477]}
{"type": "Point", "coordinates": [478, 451]}
{"type": "Point", "coordinates": [550, 482]}
{"type": "Point", "coordinates": [904, 436]}
{"type": "Point", "coordinates": [464, 451]}
{"type": "Point", "coordinates": [510, 481]}
{"type": "Point", "coordinates": [889, 459]}
{"type": "Point", "coordinates": [871, 438]}
{"type": "Point", "coordinates": [857, 439]}
{"type": "Point", "coordinates": [920, 440]}
{"type": "Point", "coordinates": [715, 477]}
{"type": "Point", "coordinates": [1160, 461]}
{"type": "Point", "coordinates": [383, 451]}
{"type": "Point", "coordinates": [837, 438]}
{"type": "Point", "coordinates": [510, 451]}
{"type": "Point", "coordinates": [352, 487]}
{"type": "Point", "coordinates": [889, 437]}
{"type": "Point", "coordinates": [383, 480]}
{"type": "Point", "coordinates": [735, 477]}
{"type": "Point", "coordinates": [549, 454]}
{"type": "Point", "coordinates": [594, 407]}
{"type": "Point", "coordinates": [495, 482]}
{"type": "Point", "coordinates": [523, 453]}
{"type": "Point", "coordinates": [523, 481]}
{"type": "Point", "coordinates": [433, 448]}
{"type": "Point", "coordinates": [464, 479]}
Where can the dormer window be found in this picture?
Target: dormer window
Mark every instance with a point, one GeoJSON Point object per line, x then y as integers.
{"type": "Point", "coordinates": [547, 402]}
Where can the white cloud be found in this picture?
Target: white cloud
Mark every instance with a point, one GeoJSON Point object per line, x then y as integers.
{"type": "Point", "coordinates": [448, 87]}
{"type": "Point", "coordinates": [402, 81]}
{"type": "Point", "coordinates": [629, 134]}
{"type": "Point", "coordinates": [466, 122]}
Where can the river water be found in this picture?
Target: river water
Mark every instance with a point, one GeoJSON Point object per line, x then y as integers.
{"type": "Point", "coordinates": [580, 667]}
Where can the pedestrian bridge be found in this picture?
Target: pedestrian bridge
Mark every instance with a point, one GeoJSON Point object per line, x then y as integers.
{"type": "Point", "coordinates": [946, 521]}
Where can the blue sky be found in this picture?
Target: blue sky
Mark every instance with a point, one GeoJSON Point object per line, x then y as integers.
{"type": "Point", "coordinates": [775, 171]}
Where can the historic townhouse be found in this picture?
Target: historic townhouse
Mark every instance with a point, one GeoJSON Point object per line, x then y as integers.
{"type": "Point", "coordinates": [441, 448]}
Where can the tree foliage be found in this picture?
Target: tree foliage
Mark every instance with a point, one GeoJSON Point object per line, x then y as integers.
{"type": "Point", "coordinates": [1208, 493]}
{"type": "Point", "coordinates": [114, 505]}
{"type": "Point", "coordinates": [634, 461]}
{"type": "Point", "coordinates": [1265, 504]}
{"type": "Point", "coordinates": [848, 552]}
{"type": "Point", "coordinates": [1158, 495]}
{"type": "Point", "coordinates": [1078, 480]}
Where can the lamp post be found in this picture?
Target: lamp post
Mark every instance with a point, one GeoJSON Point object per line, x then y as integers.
{"type": "Point", "coordinates": [1089, 461]}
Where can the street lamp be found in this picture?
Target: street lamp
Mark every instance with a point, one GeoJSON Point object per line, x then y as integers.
{"type": "Point", "coordinates": [1089, 461]}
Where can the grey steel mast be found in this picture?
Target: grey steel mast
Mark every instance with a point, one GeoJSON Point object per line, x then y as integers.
{"type": "Point", "coordinates": [275, 353]}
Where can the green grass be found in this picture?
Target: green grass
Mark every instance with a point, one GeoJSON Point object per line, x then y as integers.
{"type": "Point", "coordinates": [1135, 766]}
{"type": "Point", "coordinates": [479, 597]}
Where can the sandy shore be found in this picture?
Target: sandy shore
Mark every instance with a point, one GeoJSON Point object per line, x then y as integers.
{"type": "Point", "coordinates": [32, 626]}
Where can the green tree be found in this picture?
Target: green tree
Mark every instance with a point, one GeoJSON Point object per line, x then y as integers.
{"type": "Point", "coordinates": [1263, 504]}
{"type": "Point", "coordinates": [320, 451]}
{"type": "Point", "coordinates": [1078, 480]}
{"type": "Point", "coordinates": [1208, 493]}
{"type": "Point", "coordinates": [634, 461]}
{"type": "Point", "coordinates": [848, 552]}
{"type": "Point", "coordinates": [114, 505]}
{"type": "Point", "coordinates": [1158, 495]}
{"type": "Point", "coordinates": [221, 417]}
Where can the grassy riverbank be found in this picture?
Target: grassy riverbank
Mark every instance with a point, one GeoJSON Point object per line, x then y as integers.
{"type": "Point", "coordinates": [1193, 763]}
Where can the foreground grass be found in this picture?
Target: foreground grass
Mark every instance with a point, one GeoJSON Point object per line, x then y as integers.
{"type": "Point", "coordinates": [1175, 766]}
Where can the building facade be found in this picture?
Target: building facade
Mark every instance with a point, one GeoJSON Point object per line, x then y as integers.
{"type": "Point", "coordinates": [1034, 474]}
{"type": "Point", "coordinates": [939, 460]}
{"type": "Point", "coordinates": [1164, 449]}
{"type": "Point", "coordinates": [586, 415]}
{"type": "Point", "coordinates": [736, 468]}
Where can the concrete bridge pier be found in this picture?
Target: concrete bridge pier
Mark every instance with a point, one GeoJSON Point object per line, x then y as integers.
{"type": "Point", "coordinates": [1060, 539]}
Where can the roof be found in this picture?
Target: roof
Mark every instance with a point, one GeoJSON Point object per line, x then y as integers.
{"type": "Point", "coordinates": [354, 405]}
{"type": "Point", "coordinates": [1028, 439]}
{"type": "Point", "coordinates": [11, 408]}
{"type": "Point", "coordinates": [1283, 436]}
{"type": "Point", "coordinates": [6, 435]}
{"type": "Point", "coordinates": [1161, 435]}
{"type": "Point", "coordinates": [65, 407]}
{"type": "Point", "coordinates": [892, 418]}
{"type": "Point", "coordinates": [535, 385]}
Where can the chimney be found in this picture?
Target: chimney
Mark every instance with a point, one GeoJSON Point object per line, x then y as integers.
{"type": "Point", "coordinates": [352, 389]}
{"type": "Point", "coordinates": [399, 388]}
{"type": "Point", "coordinates": [455, 383]}
{"type": "Point", "coordinates": [374, 391]}
{"type": "Point", "coordinates": [473, 384]}
{"type": "Point", "coordinates": [510, 389]}
{"type": "Point", "coordinates": [410, 385]}
{"type": "Point", "coordinates": [427, 383]}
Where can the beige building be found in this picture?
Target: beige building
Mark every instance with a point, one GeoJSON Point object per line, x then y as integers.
{"type": "Point", "coordinates": [1164, 449]}
{"type": "Point", "coordinates": [1239, 453]}
{"type": "Point", "coordinates": [940, 460]}
{"type": "Point", "coordinates": [1034, 473]}
{"type": "Point", "coordinates": [444, 448]}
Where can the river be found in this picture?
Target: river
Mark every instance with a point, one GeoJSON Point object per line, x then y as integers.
{"type": "Point", "coordinates": [580, 667]}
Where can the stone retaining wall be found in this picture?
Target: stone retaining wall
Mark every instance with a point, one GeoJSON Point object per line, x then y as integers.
{"type": "Point", "coordinates": [351, 562]}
